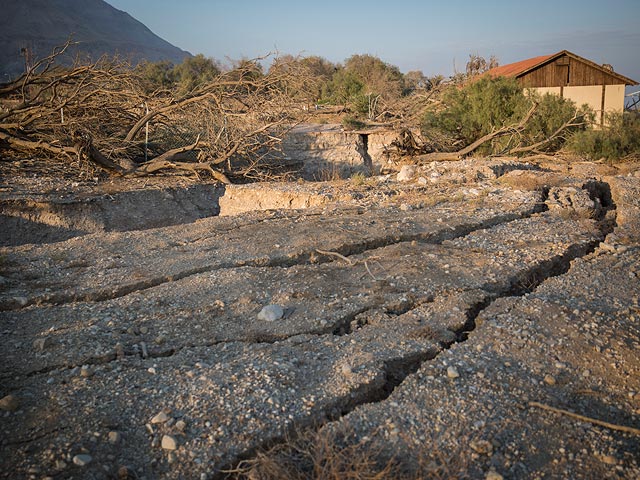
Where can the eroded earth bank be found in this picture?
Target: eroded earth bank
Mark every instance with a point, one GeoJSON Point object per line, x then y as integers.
{"type": "Point", "coordinates": [435, 322]}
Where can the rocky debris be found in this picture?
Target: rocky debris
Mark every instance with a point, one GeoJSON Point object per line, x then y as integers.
{"type": "Point", "coordinates": [574, 200]}
{"type": "Point", "coordinates": [439, 325]}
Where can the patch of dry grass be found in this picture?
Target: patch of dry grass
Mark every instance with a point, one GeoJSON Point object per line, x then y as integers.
{"type": "Point", "coordinates": [326, 455]}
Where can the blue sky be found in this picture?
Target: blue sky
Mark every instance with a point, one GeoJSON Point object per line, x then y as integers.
{"type": "Point", "coordinates": [431, 36]}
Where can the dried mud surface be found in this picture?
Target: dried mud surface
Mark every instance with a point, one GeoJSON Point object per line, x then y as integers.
{"type": "Point", "coordinates": [442, 314]}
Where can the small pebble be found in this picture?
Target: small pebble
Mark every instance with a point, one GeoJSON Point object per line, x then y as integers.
{"type": "Point", "coordinates": [39, 344]}
{"type": "Point", "coordinates": [86, 371]}
{"type": "Point", "coordinates": [181, 425]}
{"type": "Point", "coordinates": [82, 459]}
{"type": "Point", "coordinates": [114, 437]}
{"type": "Point", "coordinates": [549, 380]}
{"type": "Point", "coordinates": [452, 372]}
{"type": "Point", "coordinates": [161, 417]}
{"type": "Point", "coordinates": [169, 443]}
{"type": "Point", "coordinates": [9, 403]}
{"type": "Point", "coordinates": [124, 473]}
{"type": "Point", "coordinates": [493, 475]}
{"type": "Point", "coordinates": [271, 313]}
{"type": "Point", "coordinates": [608, 459]}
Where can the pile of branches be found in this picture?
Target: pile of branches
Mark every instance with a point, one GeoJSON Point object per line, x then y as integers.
{"type": "Point", "coordinates": [99, 115]}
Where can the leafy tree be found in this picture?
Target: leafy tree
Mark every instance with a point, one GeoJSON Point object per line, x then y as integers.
{"type": "Point", "coordinates": [378, 77]}
{"type": "Point", "coordinates": [343, 89]}
{"type": "Point", "coordinates": [490, 104]}
{"type": "Point", "coordinates": [194, 72]}
{"type": "Point", "coordinates": [156, 76]}
{"type": "Point", "coordinates": [478, 108]}
{"type": "Point", "coordinates": [415, 80]}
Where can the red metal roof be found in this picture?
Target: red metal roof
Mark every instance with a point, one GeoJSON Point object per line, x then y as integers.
{"type": "Point", "coordinates": [518, 68]}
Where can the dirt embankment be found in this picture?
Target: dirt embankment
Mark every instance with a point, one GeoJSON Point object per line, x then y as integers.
{"type": "Point", "coordinates": [479, 319]}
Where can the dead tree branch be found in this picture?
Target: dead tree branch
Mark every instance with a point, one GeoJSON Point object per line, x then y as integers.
{"type": "Point", "coordinates": [96, 112]}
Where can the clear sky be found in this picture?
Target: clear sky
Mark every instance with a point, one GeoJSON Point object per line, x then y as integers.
{"type": "Point", "coordinates": [431, 36]}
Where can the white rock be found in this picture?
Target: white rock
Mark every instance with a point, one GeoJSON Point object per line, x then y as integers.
{"type": "Point", "coordinates": [271, 313]}
{"type": "Point", "coordinates": [452, 372]}
{"type": "Point", "coordinates": [406, 173]}
{"type": "Point", "coordinates": [114, 437]}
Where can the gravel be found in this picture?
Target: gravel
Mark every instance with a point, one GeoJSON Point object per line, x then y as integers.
{"type": "Point", "coordinates": [175, 352]}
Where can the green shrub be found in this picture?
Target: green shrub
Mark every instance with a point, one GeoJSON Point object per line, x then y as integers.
{"type": "Point", "coordinates": [618, 139]}
{"type": "Point", "coordinates": [489, 104]}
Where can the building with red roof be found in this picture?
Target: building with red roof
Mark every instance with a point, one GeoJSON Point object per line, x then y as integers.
{"type": "Point", "coordinates": [573, 77]}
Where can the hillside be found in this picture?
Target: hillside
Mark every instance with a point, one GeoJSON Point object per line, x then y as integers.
{"type": "Point", "coordinates": [40, 25]}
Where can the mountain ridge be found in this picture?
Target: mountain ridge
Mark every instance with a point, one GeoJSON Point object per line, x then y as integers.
{"type": "Point", "coordinates": [99, 28]}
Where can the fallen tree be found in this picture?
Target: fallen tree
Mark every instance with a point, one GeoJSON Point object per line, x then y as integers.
{"type": "Point", "coordinates": [497, 117]}
{"type": "Point", "coordinates": [100, 115]}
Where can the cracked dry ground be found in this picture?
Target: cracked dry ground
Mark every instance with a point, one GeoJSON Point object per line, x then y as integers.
{"type": "Point", "coordinates": [433, 338]}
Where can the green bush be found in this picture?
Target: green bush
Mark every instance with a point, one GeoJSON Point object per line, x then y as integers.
{"type": "Point", "coordinates": [620, 138]}
{"type": "Point", "coordinates": [488, 104]}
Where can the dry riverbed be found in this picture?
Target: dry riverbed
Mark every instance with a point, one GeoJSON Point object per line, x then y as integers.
{"type": "Point", "coordinates": [479, 319]}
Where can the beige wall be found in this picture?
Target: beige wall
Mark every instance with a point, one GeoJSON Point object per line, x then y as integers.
{"type": "Point", "coordinates": [614, 98]}
{"type": "Point", "coordinates": [592, 96]}
{"type": "Point", "coordinates": [544, 90]}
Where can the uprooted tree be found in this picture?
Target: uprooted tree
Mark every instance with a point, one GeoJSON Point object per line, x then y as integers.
{"type": "Point", "coordinates": [102, 115]}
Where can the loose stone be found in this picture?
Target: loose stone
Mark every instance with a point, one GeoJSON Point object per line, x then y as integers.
{"type": "Point", "coordinates": [161, 417]}
{"type": "Point", "coordinates": [549, 380]}
{"type": "Point", "coordinates": [493, 475]}
{"type": "Point", "coordinates": [169, 443]}
{"type": "Point", "coordinates": [406, 173]}
{"type": "Point", "coordinates": [9, 403]}
{"type": "Point", "coordinates": [40, 344]}
{"type": "Point", "coordinates": [452, 372]}
{"type": "Point", "coordinates": [114, 437]}
{"type": "Point", "coordinates": [271, 313]}
{"type": "Point", "coordinates": [86, 371]}
{"type": "Point", "coordinates": [82, 459]}
{"type": "Point", "coordinates": [608, 459]}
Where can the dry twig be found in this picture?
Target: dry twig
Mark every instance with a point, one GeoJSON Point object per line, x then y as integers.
{"type": "Point", "coordinates": [583, 418]}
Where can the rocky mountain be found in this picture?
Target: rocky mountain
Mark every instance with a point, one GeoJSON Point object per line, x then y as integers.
{"type": "Point", "coordinates": [35, 27]}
